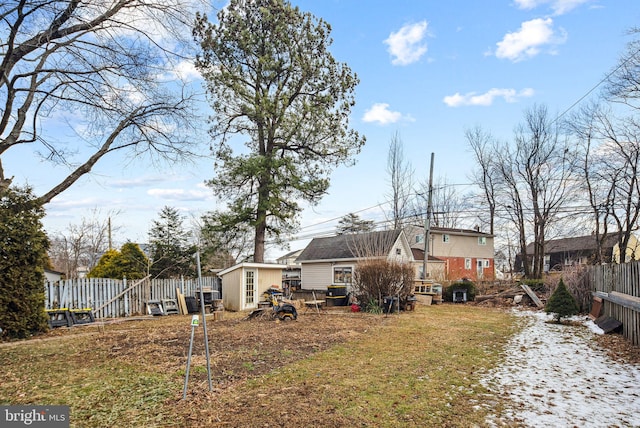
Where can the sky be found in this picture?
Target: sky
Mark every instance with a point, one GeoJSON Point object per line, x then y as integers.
{"type": "Point", "coordinates": [428, 70]}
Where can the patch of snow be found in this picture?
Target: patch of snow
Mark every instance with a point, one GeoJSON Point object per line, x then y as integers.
{"type": "Point", "coordinates": [556, 376]}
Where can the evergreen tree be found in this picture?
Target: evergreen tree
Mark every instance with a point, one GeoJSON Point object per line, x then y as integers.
{"type": "Point", "coordinates": [271, 78]}
{"type": "Point", "coordinates": [172, 253]}
{"type": "Point", "coordinates": [106, 267]}
{"type": "Point", "coordinates": [129, 262]}
{"type": "Point", "coordinates": [23, 258]}
{"type": "Point", "coordinates": [132, 261]}
{"type": "Point", "coordinates": [561, 303]}
{"type": "Point", "coordinates": [352, 223]}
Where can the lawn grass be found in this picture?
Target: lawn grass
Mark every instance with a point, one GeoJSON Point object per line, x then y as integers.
{"type": "Point", "coordinates": [418, 368]}
{"type": "Point", "coordinates": [422, 369]}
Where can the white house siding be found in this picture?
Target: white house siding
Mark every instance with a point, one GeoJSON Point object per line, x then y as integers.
{"type": "Point", "coordinates": [316, 276]}
{"type": "Point", "coordinates": [405, 252]}
{"type": "Point", "coordinates": [461, 246]}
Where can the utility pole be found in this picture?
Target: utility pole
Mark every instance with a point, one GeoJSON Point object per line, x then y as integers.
{"type": "Point", "coordinates": [109, 232]}
{"type": "Point", "coordinates": [427, 223]}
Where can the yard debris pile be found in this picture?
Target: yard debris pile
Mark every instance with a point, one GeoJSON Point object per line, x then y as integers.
{"type": "Point", "coordinates": [509, 297]}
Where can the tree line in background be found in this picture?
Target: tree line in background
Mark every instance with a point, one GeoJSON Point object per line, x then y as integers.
{"type": "Point", "coordinates": [559, 176]}
{"type": "Point", "coordinates": [274, 86]}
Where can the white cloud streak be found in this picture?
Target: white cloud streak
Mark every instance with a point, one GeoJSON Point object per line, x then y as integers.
{"type": "Point", "coordinates": [559, 7]}
{"type": "Point", "coordinates": [486, 99]}
{"type": "Point", "coordinates": [406, 45]}
{"type": "Point", "coordinates": [179, 194]}
{"type": "Point", "coordinates": [532, 37]}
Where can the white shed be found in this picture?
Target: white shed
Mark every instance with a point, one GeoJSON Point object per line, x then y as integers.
{"type": "Point", "coordinates": [244, 284]}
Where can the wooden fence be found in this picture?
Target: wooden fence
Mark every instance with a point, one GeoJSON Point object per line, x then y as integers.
{"type": "Point", "coordinates": [112, 298]}
{"type": "Point", "coordinates": [619, 286]}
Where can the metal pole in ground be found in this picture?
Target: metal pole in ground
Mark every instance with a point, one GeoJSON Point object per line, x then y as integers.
{"type": "Point", "coordinates": [204, 321]}
{"type": "Point", "coordinates": [194, 324]}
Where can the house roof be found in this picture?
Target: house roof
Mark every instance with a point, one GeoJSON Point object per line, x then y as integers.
{"type": "Point", "coordinates": [350, 246]}
{"type": "Point", "coordinates": [456, 231]}
{"type": "Point", "coordinates": [290, 254]}
{"type": "Point", "coordinates": [577, 243]}
{"type": "Point", "coordinates": [418, 255]}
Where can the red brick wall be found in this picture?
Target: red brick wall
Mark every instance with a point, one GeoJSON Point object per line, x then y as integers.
{"type": "Point", "coordinates": [455, 269]}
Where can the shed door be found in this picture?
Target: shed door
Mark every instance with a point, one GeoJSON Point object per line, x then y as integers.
{"type": "Point", "coordinates": [250, 288]}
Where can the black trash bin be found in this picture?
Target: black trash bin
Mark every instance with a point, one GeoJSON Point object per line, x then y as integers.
{"type": "Point", "coordinates": [390, 304]}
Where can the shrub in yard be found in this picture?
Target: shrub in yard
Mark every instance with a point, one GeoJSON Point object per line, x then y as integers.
{"type": "Point", "coordinates": [577, 282]}
{"type": "Point", "coordinates": [375, 279]}
{"type": "Point", "coordinates": [561, 303]}
{"type": "Point", "coordinates": [465, 284]}
{"type": "Point", "coordinates": [23, 258]}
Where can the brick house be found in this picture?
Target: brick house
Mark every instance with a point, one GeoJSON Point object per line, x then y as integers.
{"type": "Point", "coordinates": [466, 253]}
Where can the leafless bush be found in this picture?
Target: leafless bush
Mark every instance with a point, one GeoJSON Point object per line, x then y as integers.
{"type": "Point", "coordinates": [377, 278]}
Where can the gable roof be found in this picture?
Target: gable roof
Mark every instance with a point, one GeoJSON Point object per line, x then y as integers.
{"type": "Point", "coordinates": [348, 246]}
{"type": "Point", "coordinates": [575, 244]}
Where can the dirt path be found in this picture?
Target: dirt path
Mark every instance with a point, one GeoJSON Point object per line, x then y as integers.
{"type": "Point", "coordinates": [557, 376]}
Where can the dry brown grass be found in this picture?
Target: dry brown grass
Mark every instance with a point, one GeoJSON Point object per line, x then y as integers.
{"type": "Point", "coordinates": [339, 369]}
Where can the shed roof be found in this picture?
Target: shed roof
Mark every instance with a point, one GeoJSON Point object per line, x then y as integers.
{"type": "Point", "coordinates": [252, 265]}
{"type": "Point", "coordinates": [350, 246]}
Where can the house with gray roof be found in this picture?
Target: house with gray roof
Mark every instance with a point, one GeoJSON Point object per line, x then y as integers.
{"type": "Point", "coordinates": [330, 262]}
{"type": "Point", "coordinates": [581, 250]}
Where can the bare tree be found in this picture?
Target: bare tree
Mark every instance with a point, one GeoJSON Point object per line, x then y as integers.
{"type": "Point", "coordinates": [536, 182]}
{"type": "Point", "coordinates": [482, 145]}
{"type": "Point", "coordinates": [623, 83]}
{"type": "Point", "coordinates": [81, 245]}
{"type": "Point", "coordinates": [610, 168]}
{"type": "Point", "coordinates": [545, 165]}
{"type": "Point", "coordinates": [401, 181]}
{"type": "Point", "coordinates": [102, 67]}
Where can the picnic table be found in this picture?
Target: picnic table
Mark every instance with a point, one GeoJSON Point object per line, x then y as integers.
{"type": "Point", "coordinates": [311, 304]}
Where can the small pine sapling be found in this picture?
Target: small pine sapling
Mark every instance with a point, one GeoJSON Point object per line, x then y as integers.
{"type": "Point", "coordinates": [561, 303]}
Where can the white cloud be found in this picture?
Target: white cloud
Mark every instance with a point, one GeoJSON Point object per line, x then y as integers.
{"type": "Point", "coordinates": [406, 45]}
{"type": "Point", "coordinates": [486, 99]}
{"type": "Point", "coordinates": [179, 194]}
{"type": "Point", "coordinates": [559, 7]}
{"type": "Point", "coordinates": [380, 113]}
{"type": "Point", "coordinates": [529, 40]}
{"type": "Point", "coordinates": [186, 71]}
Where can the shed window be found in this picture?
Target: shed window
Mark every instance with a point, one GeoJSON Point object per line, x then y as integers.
{"type": "Point", "coordinates": [250, 290]}
{"type": "Point", "coordinates": [342, 274]}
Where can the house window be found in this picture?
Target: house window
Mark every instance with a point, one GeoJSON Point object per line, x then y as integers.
{"type": "Point", "coordinates": [342, 274]}
{"type": "Point", "coordinates": [482, 240]}
{"type": "Point", "coordinates": [445, 238]}
{"type": "Point", "coordinates": [486, 263]}
{"type": "Point", "coordinates": [398, 251]}
{"type": "Point", "coordinates": [419, 239]}
{"type": "Point", "coordinates": [467, 264]}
